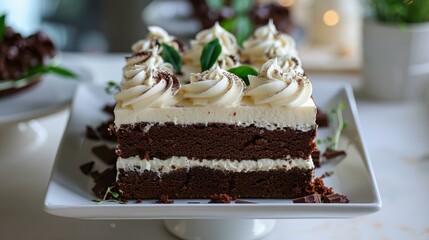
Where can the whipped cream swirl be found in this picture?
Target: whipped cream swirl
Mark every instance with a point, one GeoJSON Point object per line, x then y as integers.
{"type": "Point", "coordinates": [145, 58]}
{"type": "Point", "coordinates": [155, 37]}
{"type": "Point", "coordinates": [214, 87]}
{"type": "Point", "coordinates": [290, 61]}
{"type": "Point", "coordinates": [267, 43]}
{"type": "Point", "coordinates": [277, 88]}
{"type": "Point", "coordinates": [148, 86]}
{"type": "Point", "coordinates": [229, 56]}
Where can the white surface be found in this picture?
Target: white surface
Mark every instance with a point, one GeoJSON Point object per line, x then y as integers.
{"type": "Point", "coordinates": [50, 95]}
{"type": "Point", "coordinates": [69, 191]}
{"type": "Point", "coordinates": [400, 158]}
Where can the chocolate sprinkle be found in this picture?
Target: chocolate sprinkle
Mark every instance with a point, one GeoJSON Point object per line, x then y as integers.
{"type": "Point", "coordinates": [87, 167]}
{"type": "Point", "coordinates": [220, 198]}
{"type": "Point", "coordinates": [106, 154]}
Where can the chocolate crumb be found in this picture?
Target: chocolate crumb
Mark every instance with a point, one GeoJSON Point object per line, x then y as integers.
{"type": "Point", "coordinates": [238, 201]}
{"type": "Point", "coordinates": [90, 133]}
{"type": "Point", "coordinates": [87, 167]}
{"type": "Point", "coordinates": [165, 200]}
{"type": "Point", "coordinates": [220, 198]}
{"type": "Point", "coordinates": [335, 198]}
{"type": "Point", "coordinates": [313, 198]}
{"type": "Point", "coordinates": [106, 154]}
{"type": "Point", "coordinates": [315, 155]}
{"type": "Point", "coordinates": [321, 188]}
{"type": "Point", "coordinates": [326, 174]}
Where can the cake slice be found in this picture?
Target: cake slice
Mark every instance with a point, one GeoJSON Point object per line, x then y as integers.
{"type": "Point", "coordinates": [213, 134]}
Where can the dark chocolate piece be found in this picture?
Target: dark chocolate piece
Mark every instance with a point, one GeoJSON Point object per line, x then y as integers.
{"type": "Point", "coordinates": [322, 119]}
{"type": "Point", "coordinates": [90, 133]}
{"type": "Point", "coordinates": [321, 188]}
{"type": "Point", "coordinates": [109, 109]}
{"type": "Point", "coordinates": [95, 174]}
{"type": "Point", "coordinates": [165, 200]}
{"type": "Point", "coordinates": [215, 141]}
{"type": "Point", "coordinates": [313, 198]}
{"type": "Point", "coordinates": [103, 181]}
{"type": "Point", "coordinates": [106, 154]}
{"type": "Point", "coordinates": [220, 198]}
{"type": "Point", "coordinates": [335, 198]}
{"type": "Point", "coordinates": [202, 182]}
{"type": "Point", "coordinates": [104, 132]}
{"type": "Point", "coordinates": [316, 158]}
{"type": "Point", "coordinates": [139, 200]}
{"type": "Point", "coordinates": [87, 167]}
{"type": "Point", "coordinates": [331, 153]}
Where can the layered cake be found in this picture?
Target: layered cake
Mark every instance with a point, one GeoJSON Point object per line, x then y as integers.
{"type": "Point", "coordinates": [211, 133]}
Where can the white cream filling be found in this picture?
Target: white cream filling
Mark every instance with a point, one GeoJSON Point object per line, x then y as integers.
{"type": "Point", "coordinates": [165, 166]}
{"type": "Point", "coordinates": [302, 118]}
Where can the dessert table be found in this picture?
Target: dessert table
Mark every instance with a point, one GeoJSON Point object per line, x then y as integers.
{"type": "Point", "coordinates": [396, 135]}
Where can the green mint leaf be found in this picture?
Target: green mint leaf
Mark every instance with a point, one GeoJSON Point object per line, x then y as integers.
{"type": "Point", "coordinates": [318, 141]}
{"type": "Point", "coordinates": [210, 54]}
{"type": "Point", "coordinates": [215, 4]}
{"type": "Point", "coordinates": [2, 26]}
{"type": "Point", "coordinates": [97, 200]}
{"type": "Point", "coordinates": [243, 72]}
{"type": "Point", "coordinates": [241, 6]}
{"type": "Point", "coordinates": [243, 28]}
{"type": "Point", "coordinates": [114, 194]}
{"type": "Point", "coordinates": [111, 88]}
{"type": "Point", "coordinates": [170, 55]}
{"type": "Point", "coordinates": [229, 24]}
{"type": "Point", "coordinates": [61, 71]}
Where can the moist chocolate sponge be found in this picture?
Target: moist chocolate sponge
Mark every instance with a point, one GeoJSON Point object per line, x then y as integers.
{"type": "Point", "coordinates": [213, 141]}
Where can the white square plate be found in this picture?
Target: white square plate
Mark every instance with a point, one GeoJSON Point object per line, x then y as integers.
{"type": "Point", "coordinates": [69, 191]}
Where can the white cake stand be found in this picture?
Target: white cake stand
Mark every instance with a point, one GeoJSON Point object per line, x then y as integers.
{"type": "Point", "coordinates": [209, 229]}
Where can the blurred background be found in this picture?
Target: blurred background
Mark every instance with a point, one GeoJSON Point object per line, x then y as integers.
{"type": "Point", "coordinates": [112, 26]}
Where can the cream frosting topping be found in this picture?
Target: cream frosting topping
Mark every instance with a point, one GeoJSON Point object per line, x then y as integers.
{"type": "Point", "coordinates": [277, 88]}
{"type": "Point", "coordinates": [147, 86]}
{"type": "Point", "coordinates": [164, 166]}
{"type": "Point", "coordinates": [229, 55]}
{"type": "Point", "coordinates": [155, 36]}
{"type": "Point", "coordinates": [145, 58]}
{"type": "Point", "coordinates": [267, 43]}
{"type": "Point", "coordinates": [214, 87]}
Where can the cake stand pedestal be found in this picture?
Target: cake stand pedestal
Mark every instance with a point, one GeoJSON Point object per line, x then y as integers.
{"type": "Point", "coordinates": [220, 228]}
{"type": "Point", "coordinates": [25, 136]}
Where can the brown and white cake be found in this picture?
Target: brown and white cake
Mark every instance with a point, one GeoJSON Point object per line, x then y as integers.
{"type": "Point", "coordinates": [211, 133]}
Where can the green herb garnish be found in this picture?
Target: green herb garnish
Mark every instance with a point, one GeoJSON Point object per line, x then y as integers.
{"type": "Point", "coordinates": [50, 69]}
{"type": "Point", "coordinates": [210, 54]}
{"type": "Point", "coordinates": [334, 141]}
{"type": "Point", "coordinates": [115, 196]}
{"type": "Point", "coordinates": [170, 55]}
{"type": "Point", "coordinates": [112, 87]}
{"type": "Point", "coordinates": [243, 72]}
{"type": "Point", "coordinates": [2, 26]}
{"type": "Point", "coordinates": [341, 125]}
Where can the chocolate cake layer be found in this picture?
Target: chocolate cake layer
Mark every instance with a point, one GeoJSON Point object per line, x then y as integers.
{"type": "Point", "coordinates": [213, 141]}
{"type": "Point", "coordinates": [201, 182]}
